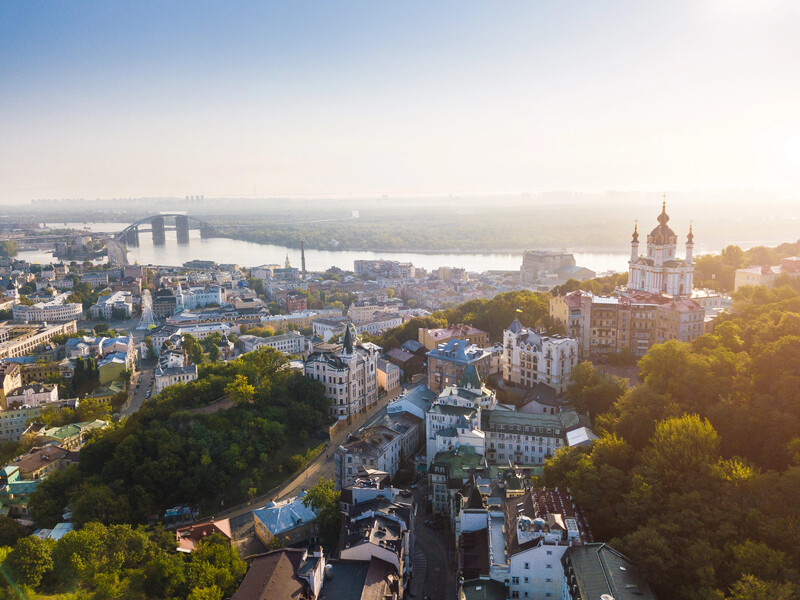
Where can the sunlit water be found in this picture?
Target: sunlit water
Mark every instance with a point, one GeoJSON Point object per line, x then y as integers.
{"type": "Point", "coordinates": [223, 250]}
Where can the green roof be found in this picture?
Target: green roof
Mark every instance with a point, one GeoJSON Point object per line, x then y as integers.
{"type": "Point", "coordinates": [456, 411]}
{"type": "Point", "coordinates": [459, 462]}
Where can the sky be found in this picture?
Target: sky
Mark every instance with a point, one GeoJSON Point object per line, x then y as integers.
{"type": "Point", "coordinates": [265, 99]}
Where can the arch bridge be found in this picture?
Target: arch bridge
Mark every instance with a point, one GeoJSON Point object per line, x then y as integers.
{"type": "Point", "coordinates": [159, 224]}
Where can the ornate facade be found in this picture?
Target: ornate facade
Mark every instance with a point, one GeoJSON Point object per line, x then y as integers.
{"type": "Point", "coordinates": [660, 271]}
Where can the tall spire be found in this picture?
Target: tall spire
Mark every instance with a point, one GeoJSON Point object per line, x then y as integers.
{"type": "Point", "coordinates": [349, 338]}
{"type": "Point", "coordinates": [635, 239]}
{"type": "Point", "coordinates": [690, 237]}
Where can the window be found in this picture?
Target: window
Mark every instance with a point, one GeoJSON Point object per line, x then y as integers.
{"type": "Point", "coordinates": [526, 580]}
{"type": "Point", "coordinates": [549, 552]}
{"type": "Point", "coordinates": [549, 566]}
{"type": "Point", "coordinates": [549, 580]}
{"type": "Point", "coordinates": [527, 565]}
{"type": "Point", "coordinates": [515, 581]}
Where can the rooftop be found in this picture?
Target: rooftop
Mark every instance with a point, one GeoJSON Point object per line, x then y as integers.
{"type": "Point", "coordinates": [599, 570]}
{"type": "Point", "coordinates": [284, 516]}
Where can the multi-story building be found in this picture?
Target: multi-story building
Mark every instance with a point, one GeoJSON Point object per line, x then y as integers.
{"type": "Point", "coordinates": [167, 376]}
{"type": "Point", "coordinates": [538, 264]}
{"type": "Point", "coordinates": [117, 303]}
{"type": "Point", "coordinates": [296, 320]}
{"type": "Point", "coordinates": [197, 297]}
{"type": "Point", "coordinates": [296, 302]}
{"type": "Point", "coordinates": [95, 278]}
{"type": "Point", "coordinates": [10, 378]}
{"type": "Point", "coordinates": [35, 394]}
{"type": "Point", "coordinates": [530, 358]}
{"type": "Point", "coordinates": [388, 375]}
{"type": "Point", "coordinates": [518, 541]}
{"type": "Point", "coordinates": [162, 333]}
{"type": "Point", "coordinates": [56, 310]}
{"type": "Point", "coordinates": [164, 303]}
{"type": "Point", "coordinates": [447, 474]}
{"type": "Point", "coordinates": [19, 340]}
{"type": "Point", "coordinates": [291, 342]}
{"type": "Point", "coordinates": [364, 310]}
{"type": "Point", "coordinates": [447, 363]}
{"type": "Point", "coordinates": [431, 338]}
{"type": "Point", "coordinates": [525, 438]}
{"type": "Point", "coordinates": [765, 274]}
{"type": "Point", "coordinates": [349, 376]}
{"type": "Point", "coordinates": [384, 268]}
{"type": "Point", "coordinates": [379, 323]}
{"type": "Point", "coordinates": [380, 529]}
{"type": "Point", "coordinates": [606, 325]}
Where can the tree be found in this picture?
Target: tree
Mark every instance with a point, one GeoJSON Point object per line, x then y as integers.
{"type": "Point", "coordinates": [30, 561]}
{"type": "Point", "coordinates": [323, 499]}
{"type": "Point", "coordinates": [682, 448]}
{"type": "Point", "coordinates": [10, 531]}
{"type": "Point", "coordinates": [214, 353]}
{"type": "Point", "coordinates": [240, 390]}
{"type": "Point", "coordinates": [592, 392]}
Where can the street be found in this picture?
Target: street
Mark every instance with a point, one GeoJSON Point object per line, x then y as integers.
{"type": "Point", "coordinates": [434, 571]}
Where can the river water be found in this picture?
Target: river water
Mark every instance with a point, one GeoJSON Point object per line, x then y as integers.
{"type": "Point", "coordinates": [249, 254]}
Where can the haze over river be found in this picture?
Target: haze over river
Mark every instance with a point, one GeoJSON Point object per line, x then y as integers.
{"type": "Point", "coordinates": [250, 254]}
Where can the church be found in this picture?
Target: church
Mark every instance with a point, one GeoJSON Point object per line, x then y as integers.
{"type": "Point", "coordinates": [660, 271]}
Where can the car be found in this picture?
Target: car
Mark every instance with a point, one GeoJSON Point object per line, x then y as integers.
{"type": "Point", "coordinates": [147, 395]}
{"type": "Point", "coordinates": [413, 486]}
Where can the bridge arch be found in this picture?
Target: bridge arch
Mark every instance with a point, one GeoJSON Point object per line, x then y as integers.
{"type": "Point", "coordinates": [130, 234]}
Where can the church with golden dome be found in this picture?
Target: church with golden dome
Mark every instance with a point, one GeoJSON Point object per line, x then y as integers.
{"type": "Point", "coordinates": [660, 271]}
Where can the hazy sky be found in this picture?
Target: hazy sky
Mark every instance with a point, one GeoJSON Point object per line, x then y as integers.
{"type": "Point", "coordinates": [138, 98]}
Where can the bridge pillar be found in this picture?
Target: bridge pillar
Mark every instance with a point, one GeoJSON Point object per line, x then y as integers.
{"type": "Point", "coordinates": [132, 237]}
{"type": "Point", "coordinates": [159, 238]}
{"type": "Point", "coordinates": [182, 227]}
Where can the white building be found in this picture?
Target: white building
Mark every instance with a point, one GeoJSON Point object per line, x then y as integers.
{"type": "Point", "coordinates": [379, 323]}
{"type": "Point", "coordinates": [197, 297]}
{"type": "Point", "coordinates": [530, 358]}
{"type": "Point", "coordinates": [121, 301]}
{"type": "Point", "coordinates": [660, 271]}
{"type": "Point", "coordinates": [36, 394]}
{"type": "Point", "coordinates": [350, 376]}
{"type": "Point", "coordinates": [527, 535]}
{"type": "Point", "coordinates": [167, 376]}
{"type": "Point", "coordinates": [55, 310]}
{"type": "Point", "coordinates": [291, 342]}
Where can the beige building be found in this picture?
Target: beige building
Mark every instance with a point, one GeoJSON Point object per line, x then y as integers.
{"type": "Point", "coordinates": [349, 376]}
{"type": "Point", "coordinates": [20, 340]}
{"type": "Point", "coordinates": [530, 358]}
{"type": "Point", "coordinates": [606, 325]}
{"type": "Point", "coordinates": [766, 275]}
{"type": "Point", "coordinates": [431, 338]}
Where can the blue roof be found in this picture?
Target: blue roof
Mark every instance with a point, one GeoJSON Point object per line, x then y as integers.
{"type": "Point", "coordinates": [458, 351]}
{"type": "Point", "coordinates": [421, 396]}
{"type": "Point", "coordinates": [23, 360]}
{"type": "Point", "coordinates": [412, 346]}
{"type": "Point", "coordinates": [284, 517]}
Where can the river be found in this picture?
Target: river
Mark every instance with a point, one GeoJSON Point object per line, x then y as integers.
{"type": "Point", "coordinates": [249, 254]}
